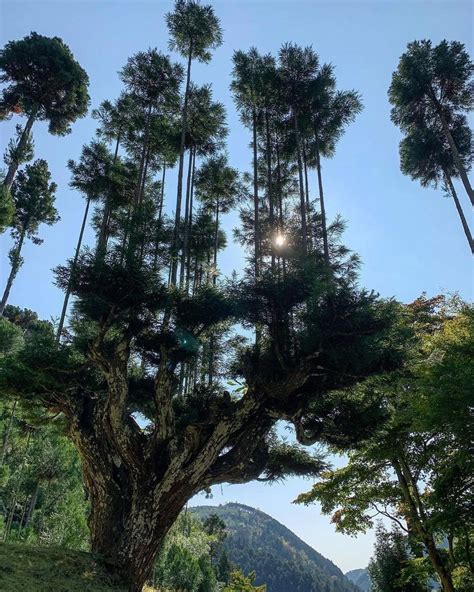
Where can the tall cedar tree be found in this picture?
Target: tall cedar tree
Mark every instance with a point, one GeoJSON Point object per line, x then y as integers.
{"type": "Point", "coordinates": [194, 30]}
{"type": "Point", "coordinates": [435, 85]}
{"type": "Point", "coordinates": [44, 82]}
{"type": "Point", "coordinates": [33, 198]}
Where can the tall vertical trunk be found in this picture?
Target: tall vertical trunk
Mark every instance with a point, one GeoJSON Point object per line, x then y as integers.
{"type": "Point", "coordinates": [270, 189]}
{"type": "Point", "coordinates": [255, 194]}
{"type": "Point", "coordinates": [457, 203]}
{"type": "Point", "coordinates": [179, 195]}
{"type": "Point", "coordinates": [455, 153]}
{"type": "Point", "coordinates": [13, 271]}
{"type": "Point", "coordinates": [216, 242]}
{"type": "Point", "coordinates": [73, 267]}
{"type": "Point", "coordinates": [321, 201]}
{"type": "Point", "coordinates": [190, 225]}
{"type": "Point", "coordinates": [104, 228]}
{"type": "Point", "coordinates": [416, 514]}
{"type": "Point", "coordinates": [12, 169]}
{"type": "Point", "coordinates": [304, 229]}
{"type": "Point", "coordinates": [160, 216]}
{"type": "Point", "coordinates": [11, 514]}
{"type": "Point", "coordinates": [6, 437]}
{"type": "Point", "coordinates": [184, 252]}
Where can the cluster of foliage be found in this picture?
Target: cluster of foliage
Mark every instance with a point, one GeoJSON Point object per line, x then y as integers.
{"type": "Point", "coordinates": [256, 541]}
{"type": "Point", "coordinates": [416, 467]}
{"type": "Point", "coordinates": [432, 92]}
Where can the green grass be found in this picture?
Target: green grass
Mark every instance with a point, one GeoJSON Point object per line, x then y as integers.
{"type": "Point", "coordinates": [51, 569]}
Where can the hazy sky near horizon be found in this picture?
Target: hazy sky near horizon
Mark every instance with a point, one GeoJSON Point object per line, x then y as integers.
{"type": "Point", "coordinates": [409, 238]}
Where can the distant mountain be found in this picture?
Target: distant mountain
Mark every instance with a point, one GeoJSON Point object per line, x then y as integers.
{"type": "Point", "coordinates": [281, 560]}
{"type": "Point", "coordinates": [361, 578]}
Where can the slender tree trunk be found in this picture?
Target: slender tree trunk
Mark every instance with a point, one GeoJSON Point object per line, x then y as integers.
{"type": "Point", "coordinates": [32, 505]}
{"type": "Point", "coordinates": [455, 153]}
{"type": "Point", "coordinates": [12, 169]}
{"type": "Point", "coordinates": [411, 496]}
{"type": "Point", "coordinates": [184, 252]}
{"type": "Point", "coordinates": [304, 229]}
{"type": "Point", "coordinates": [321, 201]}
{"type": "Point", "coordinates": [216, 243]}
{"type": "Point", "coordinates": [255, 195]}
{"type": "Point", "coordinates": [306, 182]}
{"type": "Point", "coordinates": [270, 190]}
{"type": "Point", "coordinates": [190, 226]}
{"type": "Point", "coordinates": [179, 195]}
{"type": "Point", "coordinates": [73, 268]}
{"type": "Point", "coordinates": [6, 437]}
{"type": "Point", "coordinates": [13, 271]}
{"type": "Point", "coordinates": [160, 216]}
{"type": "Point", "coordinates": [104, 228]}
{"type": "Point", "coordinates": [17, 489]}
{"type": "Point", "coordinates": [457, 203]}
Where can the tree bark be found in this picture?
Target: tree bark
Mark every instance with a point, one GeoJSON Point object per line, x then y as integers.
{"type": "Point", "coordinates": [179, 195]}
{"type": "Point", "coordinates": [13, 271]}
{"type": "Point", "coordinates": [457, 203]}
{"type": "Point", "coordinates": [12, 169]}
{"type": "Point", "coordinates": [74, 263]}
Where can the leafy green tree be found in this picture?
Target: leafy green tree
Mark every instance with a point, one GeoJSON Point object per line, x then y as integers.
{"type": "Point", "coordinates": [297, 67]}
{"type": "Point", "coordinates": [434, 84]}
{"type": "Point", "coordinates": [44, 82]}
{"type": "Point", "coordinates": [425, 155]}
{"type": "Point", "coordinates": [33, 196]}
{"type": "Point", "coordinates": [331, 111]}
{"type": "Point", "coordinates": [91, 176]}
{"type": "Point", "coordinates": [390, 565]}
{"type": "Point", "coordinates": [414, 467]}
{"type": "Point", "coordinates": [242, 583]}
{"type": "Point", "coordinates": [194, 30]}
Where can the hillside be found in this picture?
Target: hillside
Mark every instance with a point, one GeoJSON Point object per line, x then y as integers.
{"type": "Point", "coordinates": [44, 569]}
{"type": "Point", "coordinates": [282, 560]}
{"type": "Point", "coordinates": [360, 577]}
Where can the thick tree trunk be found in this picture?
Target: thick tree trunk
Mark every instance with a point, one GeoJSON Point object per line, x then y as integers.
{"type": "Point", "coordinates": [179, 195]}
{"type": "Point", "coordinates": [321, 201]}
{"type": "Point", "coordinates": [12, 169]}
{"type": "Point", "coordinates": [76, 257]}
{"type": "Point", "coordinates": [457, 203]}
{"type": "Point", "coordinates": [13, 271]}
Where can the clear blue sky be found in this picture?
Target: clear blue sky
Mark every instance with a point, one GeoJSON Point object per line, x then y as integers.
{"type": "Point", "coordinates": [410, 239]}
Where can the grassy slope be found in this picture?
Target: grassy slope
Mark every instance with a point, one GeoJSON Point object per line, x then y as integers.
{"type": "Point", "coordinates": [43, 569]}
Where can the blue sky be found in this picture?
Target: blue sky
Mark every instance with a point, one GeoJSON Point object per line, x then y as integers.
{"type": "Point", "coordinates": [409, 238]}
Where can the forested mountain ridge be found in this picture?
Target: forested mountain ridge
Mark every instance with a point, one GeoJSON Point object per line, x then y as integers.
{"type": "Point", "coordinates": [256, 541]}
{"type": "Point", "coordinates": [361, 578]}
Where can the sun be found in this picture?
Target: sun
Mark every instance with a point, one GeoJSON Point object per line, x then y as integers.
{"type": "Point", "coordinates": [280, 240]}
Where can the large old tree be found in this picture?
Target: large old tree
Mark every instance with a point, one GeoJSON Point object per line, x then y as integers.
{"type": "Point", "coordinates": [141, 375]}
{"type": "Point", "coordinates": [146, 447]}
